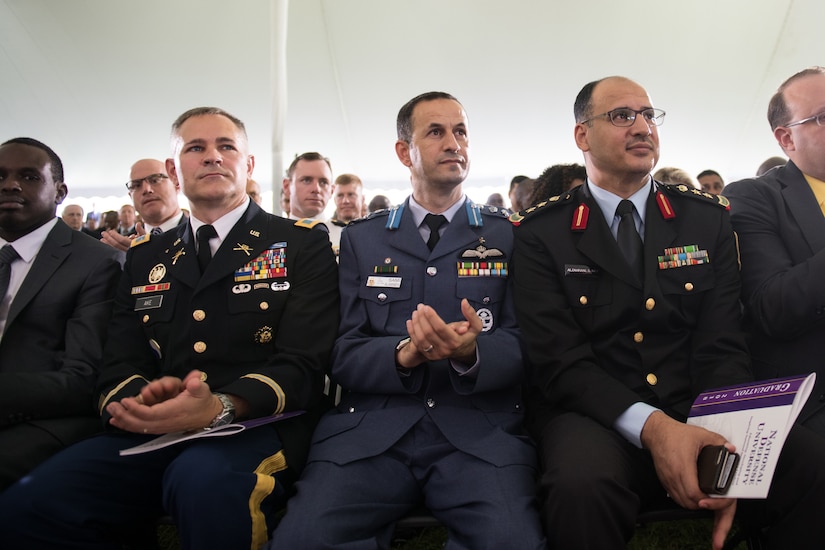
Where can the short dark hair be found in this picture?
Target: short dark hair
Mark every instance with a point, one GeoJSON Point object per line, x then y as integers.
{"type": "Point", "coordinates": [202, 111]}
{"type": "Point", "coordinates": [555, 180]}
{"type": "Point", "coordinates": [778, 112]}
{"type": "Point", "coordinates": [515, 181]}
{"type": "Point", "coordinates": [54, 160]}
{"type": "Point", "coordinates": [403, 124]}
{"type": "Point", "coordinates": [309, 157]}
{"type": "Point", "coordinates": [704, 173]}
{"type": "Point", "coordinates": [583, 106]}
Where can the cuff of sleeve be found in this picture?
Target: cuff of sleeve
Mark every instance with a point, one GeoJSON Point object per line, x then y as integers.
{"type": "Point", "coordinates": [630, 423]}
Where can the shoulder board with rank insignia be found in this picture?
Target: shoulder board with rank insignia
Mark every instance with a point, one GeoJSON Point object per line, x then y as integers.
{"type": "Point", "coordinates": [517, 217]}
{"type": "Point", "coordinates": [690, 191]}
{"type": "Point", "coordinates": [309, 223]}
{"type": "Point", "coordinates": [371, 216]}
{"type": "Point", "coordinates": [140, 240]}
{"type": "Point", "coordinates": [489, 210]}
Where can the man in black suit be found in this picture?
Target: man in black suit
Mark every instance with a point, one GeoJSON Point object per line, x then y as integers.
{"type": "Point", "coordinates": [55, 305]}
{"type": "Point", "coordinates": [621, 342]}
{"type": "Point", "coordinates": [781, 227]}
{"type": "Point", "coordinates": [197, 342]}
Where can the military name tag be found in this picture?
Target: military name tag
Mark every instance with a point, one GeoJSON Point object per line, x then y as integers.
{"type": "Point", "coordinates": [149, 302]}
{"type": "Point", "coordinates": [573, 270]}
{"type": "Point", "coordinates": [384, 282]}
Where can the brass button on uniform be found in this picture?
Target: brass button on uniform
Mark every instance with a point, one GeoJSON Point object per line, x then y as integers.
{"type": "Point", "coordinates": [145, 318]}
{"type": "Point", "coordinates": [199, 315]}
{"type": "Point", "coordinates": [650, 303]}
{"type": "Point", "coordinates": [199, 347]}
{"type": "Point", "coordinates": [638, 337]}
{"type": "Point", "coordinates": [264, 306]}
{"type": "Point", "coordinates": [652, 379]}
{"type": "Point", "coordinates": [583, 300]}
{"type": "Point", "coordinates": [688, 286]}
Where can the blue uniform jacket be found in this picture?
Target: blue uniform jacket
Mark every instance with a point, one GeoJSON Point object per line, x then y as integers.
{"type": "Point", "coordinates": [385, 271]}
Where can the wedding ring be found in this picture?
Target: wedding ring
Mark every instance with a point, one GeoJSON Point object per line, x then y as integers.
{"type": "Point", "coordinates": [429, 349]}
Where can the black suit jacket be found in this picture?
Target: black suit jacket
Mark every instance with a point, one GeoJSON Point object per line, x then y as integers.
{"type": "Point", "coordinates": [781, 233]}
{"type": "Point", "coordinates": [599, 341]}
{"type": "Point", "coordinates": [53, 341]}
{"type": "Point", "coordinates": [267, 340]}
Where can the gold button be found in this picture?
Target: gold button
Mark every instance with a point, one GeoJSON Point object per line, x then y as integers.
{"type": "Point", "coordinates": [688, 286]}
{"type": "Point", "coordinates": [199, 315]}
{"type": "Point", "coordinates": [583, 300]}
{"type": "Point", "coordinates": [638, 337]}
{"type": "Point", "coordinates": [145, 318]}
{"type": "Point", "coordinates": [650, 304]}
{"type": "Point", "coordinates": [651, 379]}
{"type": "Point", "coordinates": [199, 347]}
{"type": "Point", "coordinates": [264, 306]}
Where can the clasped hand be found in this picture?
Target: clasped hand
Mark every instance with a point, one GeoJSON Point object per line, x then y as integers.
{"type": "Point", "coordinates": [166, 405]}
{"type": "Point", "coordinates": [431, 339]}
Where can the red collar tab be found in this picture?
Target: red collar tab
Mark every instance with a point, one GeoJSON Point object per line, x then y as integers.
{"type": "Point", "coordinates": [664, 206]}
{"type": "Point", "coordinates": [580, 216]}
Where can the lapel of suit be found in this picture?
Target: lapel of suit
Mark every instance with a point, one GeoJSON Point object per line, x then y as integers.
{"type": "Point", "coordinates": [406, 237]}
{"type": "Point", "coordinates": [660, 234]}
{"type": "Point", "coordinates": [598, 243]}
{"type": "Point", "coordinates": [245, 241]}
{"type": "Point", "coordinates": [51, 255]}
{"type": "Point", "coordinates": [180, 258]}
{"type": "Point", "coordinates": [802, 205]}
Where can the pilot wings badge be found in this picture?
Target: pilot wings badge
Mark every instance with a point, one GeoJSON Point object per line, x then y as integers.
{"type": "Point", "coordinates": [481, 252]}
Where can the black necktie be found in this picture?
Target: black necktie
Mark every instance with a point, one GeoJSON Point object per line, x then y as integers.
{"type": "Point", "coordinates": [628, 238]}
{"type": "Point", "coordinates": [434, 222]}
{"type": "Point", "coordinates": [157, 231]}
{"type": "Point", "coordinates": [7, 255]}
{"type": "Point", "coordinates": [205, 232]}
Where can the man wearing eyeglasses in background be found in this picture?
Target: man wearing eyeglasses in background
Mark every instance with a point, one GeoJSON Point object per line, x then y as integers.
{"type": "Point", "coordinates": [781, 228]}
{"type": "Point", "coordinates": [620, 347]}
{"type": "Point", "coordinates": [155, 197]}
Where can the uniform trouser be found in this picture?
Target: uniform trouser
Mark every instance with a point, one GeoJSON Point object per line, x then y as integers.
{"type": "Point", "coordinates": [221, 491]}
{"type": "Point", "coordinates": [594, 483]}
{"type": "Point", "coordinates": [355, 505]}
{"type": "Point", "coordinates": [23, 446]}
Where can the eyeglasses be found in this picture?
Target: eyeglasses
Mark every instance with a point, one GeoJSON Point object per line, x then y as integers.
{"type": "Point", "coordinates": [624, 117]}
{"type": "Point", "coordinates": [152, 180]}
{"type": "Point", "coordinates": [820, 120]}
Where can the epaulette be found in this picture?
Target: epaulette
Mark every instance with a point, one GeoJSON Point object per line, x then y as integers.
{"type": "Point", "coordinates": [689, 191]}
{"type": "Point", "coordinates": [517, 217]}
{"type": "Point", "coordinates": [494, 211]}
{"type": "Point", "coordinates": [372, 215]}
{"type": "Point", "coordinates": [140, 240]}
{"type": "Point", "coordinates": [309, 223]}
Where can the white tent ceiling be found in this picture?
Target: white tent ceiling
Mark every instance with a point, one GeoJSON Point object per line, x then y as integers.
{"type": "Point", "coordinates": [101, 80]}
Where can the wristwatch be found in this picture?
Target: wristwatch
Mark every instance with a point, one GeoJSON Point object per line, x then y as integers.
{"type": "Point", "coordinates": [227, 414]}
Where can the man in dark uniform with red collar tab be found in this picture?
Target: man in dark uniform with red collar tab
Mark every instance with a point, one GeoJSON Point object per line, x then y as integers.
{"type": "Point", "coordinates": [622, 338]}
{"type": "Point", "coordinates": [227, 318]}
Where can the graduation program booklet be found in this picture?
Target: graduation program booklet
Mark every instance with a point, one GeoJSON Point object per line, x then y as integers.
{"type": "Point", "coordinates": [756, 417]}
{"type": "Point", "coordinates": [229, 429]}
